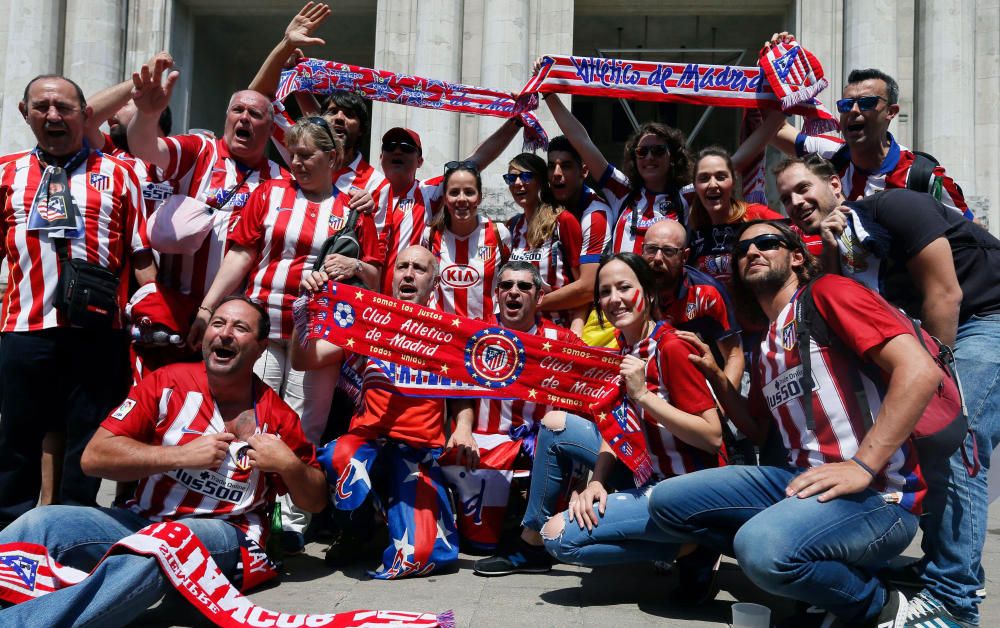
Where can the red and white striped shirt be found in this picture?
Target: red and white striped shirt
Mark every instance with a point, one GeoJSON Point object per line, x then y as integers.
{"type": "Point", "coordinates": [498, 416]}
{"type": "Point", "coordinates": [202, 167]}
{"type": "Point", "coordinates": [894, 173]}
{"type": "Point", "coordinates": [673, 378]}
{"type": "Point", "coordinates": [108, 196]}
{"type": "Point", "coordinates": [469, 266]}
{"type": "Point", "coordinates": [287, 232]}
{"type": "Point", "coordinates": [155, 189]}
{"type": "Point", "coordinates": [173, 406]}
{"type": "Point", "coordinates": [401, 219]}
{"type": "Point", "coordinates": [596, 219]}
{"type": "Point", "coordinates": [557, 257]}
{"type": "Point", "coordinates": [861, 320]}
{"type": "Point", "coordinates": [649, 206]}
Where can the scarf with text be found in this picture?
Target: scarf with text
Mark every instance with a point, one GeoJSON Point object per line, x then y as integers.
{"type": "Point", "coordinates": [435, 354]}
{"type": "Point", "coordinates": [28, 571]}
{"type": "Point", "coordinates": [793, 72]}
{"type": "Point", "coordinates": [325, 77]}
{"type": "Point", "coordinates": [691, 83]}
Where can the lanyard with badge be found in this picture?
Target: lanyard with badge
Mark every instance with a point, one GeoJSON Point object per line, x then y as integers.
{"type": "Point", "coordinates": [53, 209]}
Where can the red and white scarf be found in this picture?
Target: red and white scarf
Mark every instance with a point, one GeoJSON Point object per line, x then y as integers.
{"type": "Point", "coordinates": [325, 77]}
{"type": "Point", "coordinates": [793, 72]}
{"type": "Point", "coordinates": [753, 173]}
{"type": "Point", "coordinates": [27, 571]}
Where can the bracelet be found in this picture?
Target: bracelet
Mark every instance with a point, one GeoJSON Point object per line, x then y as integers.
{"type": "Point", "coordinates": [868, 469]}
{"type": "Point", "coordinates": [207, 309]}
{"type": "Point", "coordinates": [357, 268]}
{"type": "Point", "coordinates": [644, 393]}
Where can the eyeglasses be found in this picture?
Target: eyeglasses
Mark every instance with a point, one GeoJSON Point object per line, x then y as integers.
{"type": "Point", "coordinates": [320, 121]}
{"type": "Point", "coordinates": [523, 286]}
{"type": "Point", "coordinates": [406, 147]}
{"type": "Point", "coordinates": [764, 242]}
{"type": "Point", "coordinates": [657, 150]}
{"type": "Point", "coordinates": [865, 103]}
{"type": "Point", "coordinates": [525, 177]}
{"type": "Point", "coordinates": [650, 250]}
{"type": "Point", "coordinates": [468, 164]}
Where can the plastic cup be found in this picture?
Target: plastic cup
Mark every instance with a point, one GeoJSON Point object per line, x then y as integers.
{"type": "Point", "coordinates": [747, 615]}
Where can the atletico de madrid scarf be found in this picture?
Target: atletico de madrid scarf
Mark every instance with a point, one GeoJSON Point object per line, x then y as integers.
{"type": "Point", "coordinates": [325, 77]}
{"type": "Point", "coordinates": [29, 572]}
{"type": "Point", "coordinates": [442, 355]}
{"type": "Point", "coordinates": [793, 72]}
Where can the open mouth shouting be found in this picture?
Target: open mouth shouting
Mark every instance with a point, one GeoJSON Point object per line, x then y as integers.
{"type": "Point", "coordinates": [407, 290]}
{"type": "Point", "coordinates": [222, 354]}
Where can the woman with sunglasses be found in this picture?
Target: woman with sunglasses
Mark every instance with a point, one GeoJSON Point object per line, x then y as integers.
{"type": "Point", "coordinates": [544, 234]}
{"type": "Point", "coordinates": [653, 185]}
{"type": "Point", "coordinates": [470, 248]}
{"type": "Point", "coordinates": [281, 234]}
{"type": "Point", "coordinates": [665, 394]}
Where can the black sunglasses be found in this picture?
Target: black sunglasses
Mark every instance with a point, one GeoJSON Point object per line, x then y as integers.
{"type": "Point", "coordinates": [657, 150]}
{"type": "Point", "coordinates": [406, 147]}
{"type": "Point", "coordinates": [523, 286]}
{"type": "Point", "coordinates": [511, 178]}
{"type": "Point", "coordinates": [865, 103]}
{"type": "Point", "coordinates": [320, 121]}
{"type": "Point", "coordinates": [764, 242]}
{"type": "Point", "coordinates": [467, 164]}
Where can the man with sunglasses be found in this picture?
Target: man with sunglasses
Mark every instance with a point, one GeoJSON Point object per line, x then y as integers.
{"type": "Point", "coordinates": [944, 270]}
{"type": "Point", "coordinates": [786, 525]}
{"type": "Point", "coordinates": [869, 159]}
{"type": "Point", "coordinates": [490, 434]}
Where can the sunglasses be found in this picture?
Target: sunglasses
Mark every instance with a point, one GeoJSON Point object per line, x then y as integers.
{"type": "Point", "coordinates": [525, 177]}
{"type": "Point", "coordinates": [656, 150]}
{"type": "Point", "coordinates": [469, 165]}
{"type": "Point", "coordinates": [650, 250]}
{"type": "Point", "coordinates": [319, 121]}
{"type": "Point", "coordinates": [406, 147]}
{"type": "Point", "coordinates": [523, 286]}
{"type": "Point", "coordinates": [865, 103]}
{"type": "Point", "coordinates": [765, 242]}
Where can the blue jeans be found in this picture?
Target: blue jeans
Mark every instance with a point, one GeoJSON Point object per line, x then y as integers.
{"type": "Point", "coordinates": [124, 585]}
{"type": "Point", "coordinates": [625, 534]}
{"type": "Point", "coordinates": [825, 554]}
{"type": "Point", "coordinates": [954, 523]}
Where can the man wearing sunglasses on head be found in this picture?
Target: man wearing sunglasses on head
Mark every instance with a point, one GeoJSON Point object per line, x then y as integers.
{"type": "Point", "coordinates": [848, 497]}
{"type": "Point", "coordinates": [868, 159]}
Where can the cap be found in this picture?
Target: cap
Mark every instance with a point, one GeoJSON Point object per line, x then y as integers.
{"type": "Point", "coordinates": [399, 133]}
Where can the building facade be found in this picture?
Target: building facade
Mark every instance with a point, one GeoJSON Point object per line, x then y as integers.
{"type": "Point", "coordinates": [944, 53]}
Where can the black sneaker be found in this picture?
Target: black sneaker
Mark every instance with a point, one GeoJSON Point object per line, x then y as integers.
{"type": "Point", "coordinates": [524, 559]}
{"type": "Point", "coordinates": [292, 543]}
{"type": "Point", "coordinates": [894, 613]}
{"type": "Point", "coordinates": [697, 581]}
{"type": "Point", "coordinates": [924, 610]}
{"type": "Point", "coordinates": [347, 549]}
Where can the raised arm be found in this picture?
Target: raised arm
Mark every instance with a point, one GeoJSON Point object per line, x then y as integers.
{"type": "Point", "coordinates": [109, 100]}
{"type": "Point", "coordinates": [235, 268]}
{"type": "Point", "coordinates": [577, 136]}
{"type": "Point", "coordinates": [298, 34]}
{"type": "Point", "coordinates": [151, 96]}
{"type": "Point", "coordinates": [490, 148]}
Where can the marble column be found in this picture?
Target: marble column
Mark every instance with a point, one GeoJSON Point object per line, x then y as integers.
{"type": "Point", "coordinates": [94, 43]}
{"type": "Point", "coordinates": [395, 40]}
{"type": "Point", "coordinates": [987, 112]}
{"type": "Point", "coordinates": [819, 25]}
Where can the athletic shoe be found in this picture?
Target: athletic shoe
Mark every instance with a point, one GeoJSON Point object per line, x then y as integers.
{"type": "Point", "coordinates": [524, 558]}
{"type": "Point", "coordinates": [346, 549]}
{"type": "Point", "coordinates": [894, 613]}
{"type": "Point", "coordinates": [697, 581]}
{"type": "Point", "coordinates": [292, 543]}
{"type": "Point", "coordinates": [926, 612]}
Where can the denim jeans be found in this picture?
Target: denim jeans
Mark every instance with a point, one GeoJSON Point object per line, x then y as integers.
{"type": "Point", "coordinates": [625, 534]}
{"type": "Point", "coordinates": [124, 585]}
{"type": "Point", "coordinates": [954, 523]}
{"type": "Point", "coordinates": [825, 554]}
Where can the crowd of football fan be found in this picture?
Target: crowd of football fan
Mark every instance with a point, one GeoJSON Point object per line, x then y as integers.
{"type": "Point", "coordinates": [771, 360]}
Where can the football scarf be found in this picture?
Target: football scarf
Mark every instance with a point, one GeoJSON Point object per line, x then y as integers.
{"type": "Point", "coordinates": [53, 209]}
{"type": "Point", "coordinates": [691, 83]}
{"type": "Point", "coordinates": [28, 572]}
{"type": "Point", "coordinates": [325, 77]}
{"type": "Point", "coordinates": [753, 174]}
{"type": "Point", "coordinates": [793, 72]}
{"type": "Point", "coordinates": [443, 355]}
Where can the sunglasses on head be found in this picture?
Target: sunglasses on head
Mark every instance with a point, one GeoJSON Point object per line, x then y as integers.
{"type": "Point", "coordinates": [320, 121]}
{"type": "Point", "coordinates": [865, 103]}
{"type": "Point", "coordinates": [512, 177]}
{"type": "Point", "coordinates": [406, 147]}
{"type": "Point", "coordinates": [765, 242]}
{"type": "Point", "coordinates": [657, 150]}
{"type": "Point", "coordinates": [469, 165]}
{"type": "Point", "coordinates": [523, 286]}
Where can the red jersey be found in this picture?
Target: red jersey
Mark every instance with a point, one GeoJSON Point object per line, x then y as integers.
{"type": "Point", "coordinates": [107, 194]}
{"type": "Point", "coordinates": [469, 265]}
{"type": "Point", "coordinates": [203, 168]}
{"type": "Point", "coordinates": [672, 377]}
{"type": "Point", "coordinates": [287, 232]}
{"type": "Point", "coordinates": [416, 421]}
{"type": "Point", "coordinates": [155, 189]}
{"type": "Point", "coordinates": [173, 406]}
{"type": "Point", "coordinates": [404, 218]}
{"type": "Point", "coordinates": [894, 173]}
{"type": "Point", "coordinates": [557, 257]}
{"type": "Point", "coordinates": [861, 320]}
{"type": "Point", "coordinates": [700, 304]}
{"type": "Point", "coordinates": [711, 244]}
{"type": "Point", "coordinates": [498, 416]}
{"type": "Point", "coordinates": [596, 220]}
{"type": "Point", "coordinates": [650, 207]}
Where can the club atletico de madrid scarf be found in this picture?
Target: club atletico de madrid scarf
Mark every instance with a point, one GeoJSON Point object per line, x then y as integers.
{"type": "Point", "coordinates": [27, 572]}
{"type": "Point", "coordinates": [793, 72]}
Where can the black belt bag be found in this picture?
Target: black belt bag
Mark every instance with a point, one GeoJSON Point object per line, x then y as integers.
{"type": "Point", "coordinates": [87, 294]}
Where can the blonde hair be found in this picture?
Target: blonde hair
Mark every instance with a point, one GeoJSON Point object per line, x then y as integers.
{"type": "Point", "coordinates": [322, 137]}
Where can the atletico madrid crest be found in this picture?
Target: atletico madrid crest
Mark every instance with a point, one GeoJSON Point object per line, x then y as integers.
{"type": "Point", "coordinates": [494, 357]}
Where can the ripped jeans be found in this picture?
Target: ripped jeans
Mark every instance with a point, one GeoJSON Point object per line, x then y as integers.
{"type": "Point", "coordinates": [624, 534]}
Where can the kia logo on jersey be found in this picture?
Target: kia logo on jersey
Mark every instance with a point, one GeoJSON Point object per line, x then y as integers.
{"type": "Point", "coordinates": [460, 276]}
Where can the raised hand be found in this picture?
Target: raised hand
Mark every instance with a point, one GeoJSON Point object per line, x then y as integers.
{"type": "Point", "coordinates": [150, 92]}
{"type": "Point", "coordinates": [300, 29]}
